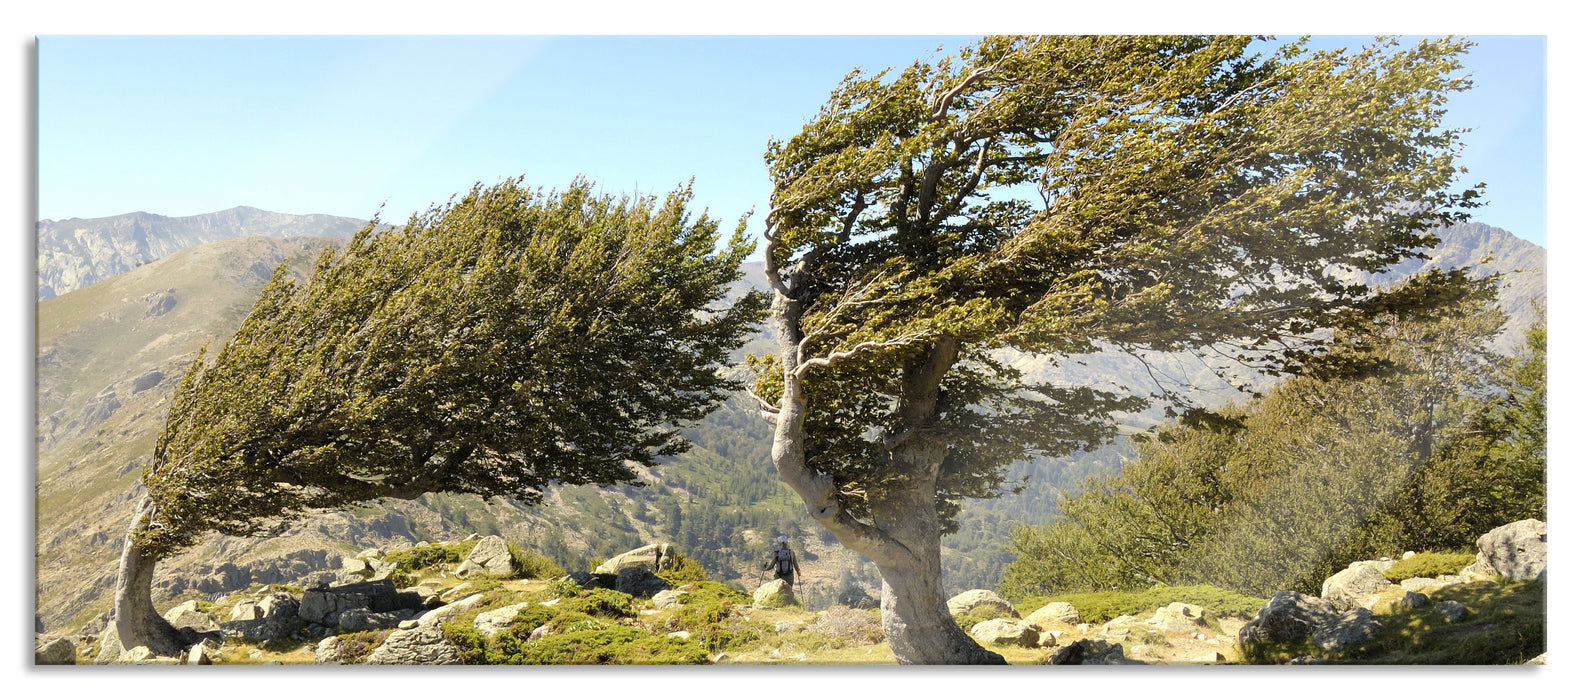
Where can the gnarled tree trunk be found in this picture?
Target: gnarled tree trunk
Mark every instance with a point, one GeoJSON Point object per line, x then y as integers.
{"type": "Point", "coordinates": [903, 539]}
{"type": "Point", "coordinates": [134, 621]}
{"type": "Point", "coordinates": [912, 608]}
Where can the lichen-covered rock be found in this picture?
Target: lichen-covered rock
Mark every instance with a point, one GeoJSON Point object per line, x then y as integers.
{"type": "Point", "coordinates": [187, 615]}
{"type": "Point", "coordinates": [1355, 626]}
{"type": "Point", "coordinates": [774, 594]}
{"type": "Point", "coordinates": [1350, 588]}
{"type": "Point", "coordinates": [1413, 599]}
{"type": "Point", "coordinates": [55, 652]}
{"type": "Point", "coordinates": [1004, 631]}
{"type": "Point", "coordinates": [492, 622]}
{"type": "Point", "coordinates": [1518, 551]}
{"type": "Point", "coordinates": [491, 556]}
{"type": "Point", "coordinates": [424, 645]}
{"type": "Point", "coordinates": [1056, 613]}
{"type": "Point", "coordinates": [441, 615]}
{"type": "Point", "coordinates": [198, 655]}
{"type": "Point", "coordinates": [1288, 616]}
{"type": "Point", "coordinates": [670, 600]}
{"type": "Point", "coordinates": [1088, 652]}
{"type": "Point", "coordinates": [1178, 617]}
{"type": "Point", "coordinates": [1452, 610]}
{"type": "Point", "coordinates": [977, 597]}
{"type": "Point", "coordinates": [652, 557]}
{"type": "Point", "coordinates": [362, 619]}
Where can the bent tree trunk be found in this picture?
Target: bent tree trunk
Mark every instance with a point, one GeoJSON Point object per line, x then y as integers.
{"type": "Point", "coordinates": [916, 621]}
{"type": "Point", "coordinates": [134, 621]}
{"type": "Point", "coordinates": [903, 539]}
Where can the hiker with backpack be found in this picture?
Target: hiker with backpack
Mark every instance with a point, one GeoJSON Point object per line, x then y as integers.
{"type": "Point", "coordinates": [782, 561]}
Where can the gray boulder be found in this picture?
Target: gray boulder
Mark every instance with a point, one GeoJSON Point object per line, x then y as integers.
{"type": "Point", "coordinates": [490, 556]}
{"type": "Point", "coordinates": [325, 606]}
{"type": "Point", "coordinates": [1413, 599]}
{"type": "Point", "coordinates": [1056, 613]}
{"type": "Point", "coordinates": [1518, 551]}
{"type": "Point", "coordinates": [494, 621]}
{"type": "Point", "coordinates": [1088, 652]}
{"type": "Point", "coordinates": [424, 645]}
{"type": "Point", "coordinates": [976, 597]}
{"type": "Point", "coordinates": [187, 615]}
{"type": "Point", "coordinates": [774, 594]}
{"type": "Point", "coordinates": [328, 651]}
{"type": "Point", "coordinates": [670, 600]}
{"type": "Point", "coordinates": [1352, 588]}
{"type": "Point", "coordinates": [1004, 631]}
{"type": "Point", "coordinates": [198, 655]}
{"type": "Point", "coordinates": [276, 618]}
{"type": "Point", "coordinates": [1178, 617]}
{"type": "Point", "coordinates": [55, 652]}
{"type": "Point", "coordinates": [362, 619]}
{"type": "Point", "coordinates": [1452, 610]}
{"type": "Point", "coordinates": [652, 557]}
{"type": "Point", "coordinates": [441, 615]}
{"type": "Point", "coordinates": [1288, 616]}
{"type": "Point", "coordinates": [1356, 626]}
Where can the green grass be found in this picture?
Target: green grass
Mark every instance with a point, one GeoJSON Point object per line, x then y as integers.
{"type": "Point", "coordinates": [1504, 624]}
{"type": "Point", "coordinates": [1098, 606]}
{"type": "Point", "coordinates": [1428, 565]}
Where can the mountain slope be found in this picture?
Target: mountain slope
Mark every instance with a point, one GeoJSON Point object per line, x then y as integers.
{"type": "Point", "coordinates": [75, 253]}
{"type": "Point", "coordinates": [110, 355]}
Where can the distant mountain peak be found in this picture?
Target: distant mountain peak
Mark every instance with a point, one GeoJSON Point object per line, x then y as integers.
{"type": "Point", "coordinates": [74, 253]}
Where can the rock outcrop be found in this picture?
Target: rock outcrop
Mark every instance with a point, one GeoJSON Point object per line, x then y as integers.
{"type": "Point", "coordinates": [774, 594]}
{"type": "Point", "coordinates": [1288, 616]}
{"type": "Point", "coordinates": [1004, 631]}
{"type": "Point", "coordinates": [1352, 588]}
{"type": "Point", "coordinates": [979, 597]}
{"type": "Point", "coordinates": [1056, 613]}
{"type": "Point", "coordinates": [491, 556]}
{"type": "Point", "coordinates": [1518, 551]}
{"type": "Point", "coordinates": [57, 651]}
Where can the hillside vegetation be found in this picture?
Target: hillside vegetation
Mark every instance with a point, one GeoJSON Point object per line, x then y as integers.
{"type": "Point", "coordinates": [722, 501]}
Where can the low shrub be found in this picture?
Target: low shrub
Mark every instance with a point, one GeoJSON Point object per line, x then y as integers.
{"type": "Point", "coordinates": [611, 645]}
{"type": "Point", "coordinates": [967, 620]}
{"type": "Point", "coordinates": [530, 564]}
{"type": "Point", "coordinates": [1428, 565]}
{"type": "Point", "coordinates": [429, 556]}
{"type": "Point", "coordinates": [1504, 624]}
{"type": "Point", "coordinates": [849, 625]}
{"type": "Point", "coordinates": [684, 570]}
{"type": "Point", "coordinates": [600, 602]}
{"type": "Point", "coordinates": [1098, 606]}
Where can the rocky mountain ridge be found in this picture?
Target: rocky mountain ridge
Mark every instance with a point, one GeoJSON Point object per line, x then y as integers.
{"type": "Point", "coordinates": [74, 253]}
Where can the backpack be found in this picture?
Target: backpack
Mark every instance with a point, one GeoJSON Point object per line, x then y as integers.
{"type": "Point", "coordinates": [783, 561]}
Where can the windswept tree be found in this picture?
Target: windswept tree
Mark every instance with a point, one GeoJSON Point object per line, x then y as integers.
{"type": "Point", "coordinates": [492, 346]}
{"type": "Point", "coordinates": [1056, 196]}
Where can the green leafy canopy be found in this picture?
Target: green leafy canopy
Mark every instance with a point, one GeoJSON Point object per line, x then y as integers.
{"type": "Point", "coordinates": [493, 345]}
{"type": "Point", "coordinates": [1061, 195]}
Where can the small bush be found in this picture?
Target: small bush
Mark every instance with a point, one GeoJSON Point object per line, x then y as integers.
{"type": "Point", "coordinates": [1504, 624]}
{"type": "Point", "coordinates": [967, 620]}
{"type": "Point", "coordinates": [613, 645]}
{"type": "Point", "coordinates": [1428, 565]}
{"type": "Point", "coordinates": [562, 589]}
{"type": "Point", "coordinates": [600, 602]}
{"type": "Point", "coordinates": [1098, 606]}
{"type": "Point", "coordinates": [849, 625]}
{"type": "Point", "coordinates": [471, 644]}
{"type": "Point", "coordinates": [530, 564]}
{"type": "Point", "coordinates": [430, 556]}
{"type": "Point", "coordinates": [683, 571]}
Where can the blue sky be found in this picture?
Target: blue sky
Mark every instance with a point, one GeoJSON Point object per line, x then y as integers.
{"type": "Point", "coordinates": [182, 125]}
